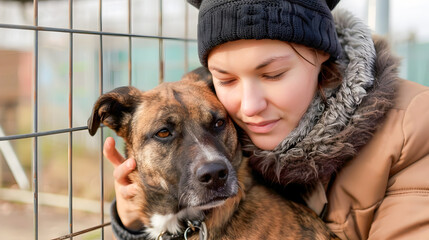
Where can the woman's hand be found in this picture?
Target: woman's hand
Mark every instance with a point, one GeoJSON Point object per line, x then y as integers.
{"type": "Point", "coordinates": [125, 189]}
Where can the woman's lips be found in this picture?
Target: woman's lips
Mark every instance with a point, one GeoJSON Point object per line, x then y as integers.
{"type": "Point", "coordinates": [261, 127]}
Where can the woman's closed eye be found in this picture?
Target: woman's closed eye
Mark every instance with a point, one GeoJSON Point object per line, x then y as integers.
{"type": "Point", "coordinates": [225, 82]}
{"type": "Point", "coordinates": [273, 76]}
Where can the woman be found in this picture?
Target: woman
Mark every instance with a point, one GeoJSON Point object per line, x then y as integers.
{"type": "Point", "coordinates": [323, 113]}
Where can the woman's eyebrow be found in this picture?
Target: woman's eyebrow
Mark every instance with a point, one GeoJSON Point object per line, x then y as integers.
{"type": "Point", "coordinates": [218, 70]}
{"type": "Point", "coordinates": [271, 60]}
{"type": "Point", "coordinates": [262, 65]}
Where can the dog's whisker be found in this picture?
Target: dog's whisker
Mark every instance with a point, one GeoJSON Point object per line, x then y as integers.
{"type": "Point", "coordinates": [180, 199]}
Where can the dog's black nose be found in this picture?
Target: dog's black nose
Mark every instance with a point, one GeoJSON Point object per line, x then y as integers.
{"type": "Point", "coordinates": [213, 175]}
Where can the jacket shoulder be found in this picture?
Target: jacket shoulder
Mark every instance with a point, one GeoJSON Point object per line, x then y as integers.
{"type": "Point", "coordinates": [413, 101]}
{"type": "Point", "coordinates": [407, 91]}
{"type": "Point", "coordinates": [408, 185]}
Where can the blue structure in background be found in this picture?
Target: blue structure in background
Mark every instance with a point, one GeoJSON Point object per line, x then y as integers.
{"type": "Point", "coordinates": [415, 61]}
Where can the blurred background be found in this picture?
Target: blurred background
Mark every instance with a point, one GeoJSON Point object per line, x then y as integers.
{"type": "Point", "coordinates": [71, 74]}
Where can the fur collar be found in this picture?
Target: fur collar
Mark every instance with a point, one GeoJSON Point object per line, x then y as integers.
{"type": "Point", "coordinates": [329, 136]}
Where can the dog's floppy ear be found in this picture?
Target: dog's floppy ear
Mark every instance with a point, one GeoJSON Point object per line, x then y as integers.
{"type": "Point", "coordinates": [202, 74]}
{"type": "Point", "coordinates": [114, 109]}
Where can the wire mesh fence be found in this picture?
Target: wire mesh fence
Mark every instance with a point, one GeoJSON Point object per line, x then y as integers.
{"type": "Point", "coordinates": [67, 54]}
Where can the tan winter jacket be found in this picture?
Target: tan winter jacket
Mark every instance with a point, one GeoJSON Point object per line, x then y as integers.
{"type": "Point", "coordinates": [383, 193]}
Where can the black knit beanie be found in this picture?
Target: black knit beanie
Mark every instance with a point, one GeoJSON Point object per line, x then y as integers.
{"type": "Point", "coordinates": [306, 22]}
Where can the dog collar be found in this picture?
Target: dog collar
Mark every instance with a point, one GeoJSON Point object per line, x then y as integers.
{"type": "Point", "coordinates": [193, 227]}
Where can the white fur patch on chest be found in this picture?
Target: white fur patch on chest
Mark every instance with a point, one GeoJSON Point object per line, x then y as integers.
{"type": "Point", "coordinates": [161, 223]}
{"type": "Point", "coordinates": [171, 222]}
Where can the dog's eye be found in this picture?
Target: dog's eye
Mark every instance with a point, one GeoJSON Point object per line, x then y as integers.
{"type": "Point", "coordinates": [163, 133]}
{"type": "Point", "coordinates": [219, 123]}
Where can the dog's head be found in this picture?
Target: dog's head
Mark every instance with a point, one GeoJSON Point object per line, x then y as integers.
{"type": "Point", "coordinates": [185, 145]}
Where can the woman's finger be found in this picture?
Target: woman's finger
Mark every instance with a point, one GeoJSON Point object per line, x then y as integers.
{"type": "Point", "coordinates": [111, 153]}
{"type": "Point", "coordinates": [122, 171]}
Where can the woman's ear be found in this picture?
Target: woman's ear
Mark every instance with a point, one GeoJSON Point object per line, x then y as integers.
{"type": "Point", "coordinates": [322, 56]}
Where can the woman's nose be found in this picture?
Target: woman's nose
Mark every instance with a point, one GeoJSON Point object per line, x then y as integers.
{"type": "Point", "coordinates": [253, 99]}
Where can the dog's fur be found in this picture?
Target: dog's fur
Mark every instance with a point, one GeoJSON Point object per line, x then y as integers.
{"type": "Point", "coordinates": [173, 131]}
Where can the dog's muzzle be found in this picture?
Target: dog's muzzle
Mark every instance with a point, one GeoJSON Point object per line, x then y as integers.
{"type": "Point", "coordinates": [209, 184]}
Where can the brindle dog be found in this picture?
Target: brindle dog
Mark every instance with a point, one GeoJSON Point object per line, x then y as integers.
{"type": "Point", "coordinates": [190, 168]}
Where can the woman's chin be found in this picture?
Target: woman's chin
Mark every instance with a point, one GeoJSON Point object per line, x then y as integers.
{"type": "Point", "coordinates": [265, 142]}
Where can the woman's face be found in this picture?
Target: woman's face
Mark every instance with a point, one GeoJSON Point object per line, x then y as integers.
{"type": "Point", "coordinates": [265, 86]}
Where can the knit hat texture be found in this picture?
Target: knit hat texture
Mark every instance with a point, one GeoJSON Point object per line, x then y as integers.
{"type": "Point", "coordinates": [306, 22]}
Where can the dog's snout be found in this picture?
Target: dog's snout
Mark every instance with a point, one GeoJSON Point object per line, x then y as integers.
{"type": "Point", "coordinates": [213, 175]}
